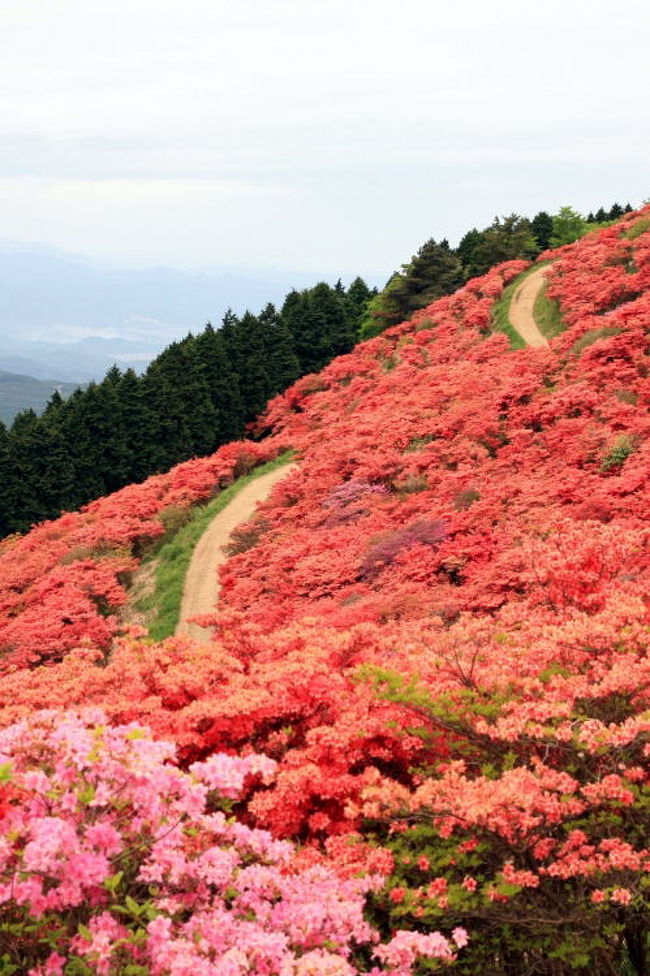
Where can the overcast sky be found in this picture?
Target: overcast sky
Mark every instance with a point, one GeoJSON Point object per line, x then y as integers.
{"type": "Point", "coordinates": [325, 135]}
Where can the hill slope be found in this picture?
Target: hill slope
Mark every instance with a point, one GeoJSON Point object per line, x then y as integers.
{"type": "Point", "coordinates": [18, 392]}
{"type": "Point", "coordinates": [439, 633]}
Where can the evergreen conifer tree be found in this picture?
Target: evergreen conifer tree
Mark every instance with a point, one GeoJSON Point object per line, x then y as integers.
{"type": "Point", "coordinates": [356, 302]}
{"type": "Point", "coordinates": [283, 367]}
{"type": "Point", "coordinates": [542, 228]}
{"type": "Point", "coordinates": [223, 385]}
{"type": "Point", "coordinates": [141, 429]}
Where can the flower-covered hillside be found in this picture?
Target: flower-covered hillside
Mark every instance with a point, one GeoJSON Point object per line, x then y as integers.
{"type": "Point", "coordinates": [436, 627]}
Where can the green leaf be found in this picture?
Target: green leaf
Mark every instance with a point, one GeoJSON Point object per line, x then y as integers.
{"type": "Point", "coordinates": [133, 906]}
{"type": "Point", "coordinates": [114, 881]}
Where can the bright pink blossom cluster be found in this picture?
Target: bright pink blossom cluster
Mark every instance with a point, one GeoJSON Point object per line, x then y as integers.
{"type": "Point", "coordinates": [125, 860]}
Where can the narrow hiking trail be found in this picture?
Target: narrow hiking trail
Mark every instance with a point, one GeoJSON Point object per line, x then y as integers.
{"type": "Point", "coordinates": [522, 305]}
{"type": "Point", "coordinates": [201, 589]}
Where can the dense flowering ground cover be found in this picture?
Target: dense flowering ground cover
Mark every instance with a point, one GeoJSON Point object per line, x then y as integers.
{"type": "Point", "coordinates": [438, 636]}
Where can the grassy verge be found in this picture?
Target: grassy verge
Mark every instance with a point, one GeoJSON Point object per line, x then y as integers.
{"type": "Point", "coordinates": [161, 608]}
{"type": "Point", "coordinates": [546, 312]}
{"type": "Point", "coordinates": [548, 316]}
{"type": "Point", "coordinates": [500, 309]}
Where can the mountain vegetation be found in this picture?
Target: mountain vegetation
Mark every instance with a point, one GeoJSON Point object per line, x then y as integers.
{"type": "Point", "coordinates": [419, 738]}
{"type": "Point", "coordinates": [438, 269]}
{"type": "Point", "coordinates": [128, 426]}
{"type": "Point", "coordinates": [199, 393]}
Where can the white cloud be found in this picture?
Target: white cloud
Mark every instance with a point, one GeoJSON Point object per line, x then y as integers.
{"type": "Point", "coordinates": [305, 131]}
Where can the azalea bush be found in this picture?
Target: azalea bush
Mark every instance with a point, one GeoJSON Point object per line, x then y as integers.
{"type": "Point", "coordinates": [112, 860]}
{"type": "Point", "coordinates": [436, 628]}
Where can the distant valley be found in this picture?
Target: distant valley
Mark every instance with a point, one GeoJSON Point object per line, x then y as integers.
{"type": "Point", "coordinates": [18, 392]}
{"type": "Point", "coordinates": [65, 319]}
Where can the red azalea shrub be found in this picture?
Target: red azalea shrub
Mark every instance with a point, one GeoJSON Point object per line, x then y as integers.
{"type": "Point", "coordinates": [441, 636]}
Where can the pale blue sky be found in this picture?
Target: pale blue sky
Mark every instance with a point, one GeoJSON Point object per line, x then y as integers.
{"type": "Point", "coordinates": [325, 135]}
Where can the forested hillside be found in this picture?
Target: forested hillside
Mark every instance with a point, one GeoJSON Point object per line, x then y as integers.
{"type": "Point", "coordinates": [419, 738]}
{"type": "Point", "coordinates": [197, 394]}
{"type": "Point", "coordinates": [438, 269]}
{"type": "Point", "coordinates": [202, 391]}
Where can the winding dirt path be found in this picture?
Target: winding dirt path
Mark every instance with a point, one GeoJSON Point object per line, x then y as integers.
{"type": "Point", "coordinates": [201, 590]}
{"type": "Point", "coordinates": [522, 305]}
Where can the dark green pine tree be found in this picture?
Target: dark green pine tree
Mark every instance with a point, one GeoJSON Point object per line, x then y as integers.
{"type": "Point", "coordinates": [292, 313]}
{"type": "Point", "coordinates": [616, 212]}
{"type": "Point", "coordinates": [505, 239]}
{"type": "Point", "coordinates": [601, 215]}
{"type": "Point", "coordinates": [313, 317]}
{"type": "Point", "coordinates": [196, 393]}
{"type": "Point", "coordinates": [628, 208]}
{"type": "Point", "coordinates": [282, 364]}
{"type": "Point", "coordinates": [59, 489]}
{"type": "Point", "coordinates": [140, 425]}
{"type": "Point", "coordinates": [82, 422]}
{"type": "Point", "coordinates": [173, 441]}
{"type": "Point", "coordinates": [28, 461]}
{"type": "Point", "coordinates": [433, 272]}
{"type": "Point", "coordinates": [254, 381]}
{"type": "Point", "coordinates": [356, 302]}
{"type": "Point", "coordinates": [328, 323]}
{"type": "Point", "coordinates": [466, 248]}
{"type": "Point", "coordinates": [223, 385]}
{"type": "Point", "coordinates": [542, 229]}
{"type": "Point", "coordinates": [113, 436]}
{"type": "Point", "coordinates": [7, 512]}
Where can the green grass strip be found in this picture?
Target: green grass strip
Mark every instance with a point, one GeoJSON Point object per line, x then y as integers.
{"type": "Point", "coordinates": [548, 310]}
{"type": "Point", "coordinates": [547, 315]}
{"type": "Point", "coordinates": [163, 607]}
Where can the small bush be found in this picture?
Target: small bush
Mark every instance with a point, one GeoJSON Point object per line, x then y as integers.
{"type": "Point", "coordinates": [418, 442]}
{"type": "Point", "coordinates": [412, 484]}
{"type": "Point", "coordinates": [428, 532]}
{"type": "Point", "coordinates": [95, 552]}
{"type": "Point", "coordinates": [245, 537]}
{"type": "Point", "coordinates": [626, 396]}
{"type": "Point", "coordinates": [465, 499]}
{"type": "Point", "coordinates": [618, 453]}
{"type": "Point", "coordinates": [352, 491]}
{"type": "Point", "coordinates": [174, 518]}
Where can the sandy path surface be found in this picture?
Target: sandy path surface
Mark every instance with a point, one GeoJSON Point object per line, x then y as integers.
{"type": "Point", "coordinates": [201, 590]}
{"type": "Point", "coordinates": [521, 308]}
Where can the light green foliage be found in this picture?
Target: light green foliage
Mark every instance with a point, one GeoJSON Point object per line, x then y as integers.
{"type": "Point", "coordinates": [618, 453]}
{"type": "Point", "coordinates": [568, 226]}
{"type": "Point", "coordinates": [592, 336]}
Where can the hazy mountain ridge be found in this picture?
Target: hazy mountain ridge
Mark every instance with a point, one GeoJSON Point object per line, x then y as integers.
{"type": "Point", "coordinates": [58, 310]}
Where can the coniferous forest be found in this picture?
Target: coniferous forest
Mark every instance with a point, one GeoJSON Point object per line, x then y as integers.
{"type": "Point", "coordinates": [198, 394]}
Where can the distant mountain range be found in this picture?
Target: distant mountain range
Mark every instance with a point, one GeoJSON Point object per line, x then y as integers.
{"type": "Point", "coordinates": [66, 316]}
{"type": "Point", "coordinates": [50, 298]}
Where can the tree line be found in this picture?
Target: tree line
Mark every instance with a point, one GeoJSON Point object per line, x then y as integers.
{"type": "Point", "coordinates": [439, 269]}
{"type": "Point", "coordinates": [199, 393]}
